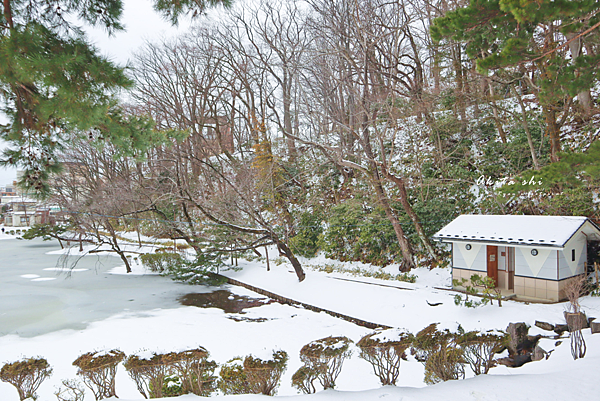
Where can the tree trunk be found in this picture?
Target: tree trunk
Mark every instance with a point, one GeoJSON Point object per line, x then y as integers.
{"type": "Point", "coordinates": [8, 14]}
{"type": "Point", "coordinates": [553, 132]}
{"type": "Point", "coordinates": [497, 120]}
{"type": "Point", "coordinates": [459, 92]}
{"type": "Point", "coordinates": [287, 252]}
{"type": "Point", "coordinates": [267, 256]}
{"type": "Point", "coordinates": [408, 261]}
{"type": "Point", "coordinates": [585, 96]}
{"type": "Point", "coordinates": [403, 195]}
{"type": "Point", "coordinates": [124, 259]}
{"type": "Point", "coordinates": [525, 123]}
{"type": "Point", "coordinates": [287, 114]}
{"type": "Point", "coordinates": [115, 246]}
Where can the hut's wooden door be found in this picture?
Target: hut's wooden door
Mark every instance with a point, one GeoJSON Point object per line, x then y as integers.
{"type": "Point", "coordinates": [492, 262]}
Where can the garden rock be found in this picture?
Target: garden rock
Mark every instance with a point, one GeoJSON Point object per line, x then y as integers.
{"type": "Point", "coordinates": [514, 362]}
{"type": "Point", "coordinates": [560, 328]}
{"type": "Point", "coordinates": [544, 325]}
{"type": "Point", "coordinates": [518, 335]}
{"type": "Point", "coordinates": [538, 354]}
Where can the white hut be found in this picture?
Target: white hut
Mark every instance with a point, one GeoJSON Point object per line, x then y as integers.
{"type": "Point", "coordinates": [530, 256]}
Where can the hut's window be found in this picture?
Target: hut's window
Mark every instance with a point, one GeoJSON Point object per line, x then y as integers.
{"type": "Point", "coordinates": [468, 247]}
{"type": "Point", "coordinates": [534, 252]}
{"type": "Point", "coordinates": [572, 255]}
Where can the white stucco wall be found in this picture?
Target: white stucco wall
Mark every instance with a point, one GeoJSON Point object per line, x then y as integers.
{"type": "Point", "coordinates": [543, 265]}
{"type": "Point", "coordinates": [568, 267]}
{"type": "Point", "coordinates": [473, 259]}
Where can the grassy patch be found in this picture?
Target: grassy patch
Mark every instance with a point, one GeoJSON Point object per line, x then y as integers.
{"type": "Point", "coordinates": [358, 272]}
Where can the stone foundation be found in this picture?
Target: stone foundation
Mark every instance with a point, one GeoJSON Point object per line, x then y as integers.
{"type": "Point", "coordinates": [547, 290]}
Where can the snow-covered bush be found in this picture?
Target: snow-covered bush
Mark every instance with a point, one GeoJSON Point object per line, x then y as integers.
{"type": "Point", "coordinates": [26, 375]}
{"type": "Point", "coordinates": [440, 353]}
{"type": "Point", "coordinates": [161, 261]}
{"type": "Point", "coordinates": [72, 391]}
{"type": "Point", "coordinates": [148, 371]}
{"type": "Point", "coordinates": [253, 375]}
{"type": "Point", "coordinates": [304, 379]}
{"type": "Point", "coordinates": [479, 348]}
{"type": "Point", "coordinates": [384, 350]}
{"type": "Point", "coordinates": [98, 370]}
{"type": "Point", "coordinates": [170, 374]}
{"type": "Point", "coordinates": [324, 357]}
{"type": "Point", "coordinates": [357, 271]}
{"type": "Point", "coordinates": [263, 375]}
{"type": "Point", "coordinates": [194, 371]}
{"type": "Point", "coordinates": [233, 378]}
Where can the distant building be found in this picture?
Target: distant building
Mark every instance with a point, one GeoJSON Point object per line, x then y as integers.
{"type": "Point", "coordinates": [9, 190]}
{"type": "Point", "coordinates": [19, 213]}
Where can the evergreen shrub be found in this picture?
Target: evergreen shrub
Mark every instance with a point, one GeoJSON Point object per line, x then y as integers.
{"type": "Point", "coordinates": [253, 375]}
{"type": "Point", "coordinates": [357, 271]}
{"type": "Point", "coordinates": [232, 378]}
{"type": "Point", "coordinates": [170, 374]}
{"type": "Point", "coordinates": [149, 372]}
{"type": "Point", "coordinates": [161, 261]}
{"type": "Point", "coordinates": [306, 242]}
{"type": "Point", "coordinates": [172, 386]}
{"type": "Point", "coordinates": [194, 371]}
{"type": "Point", "coordinates": [304, 379]}
{"type": "Point", "coordinates": [439, 352]}
{"type": "Point", "coordinates": [358, 233]}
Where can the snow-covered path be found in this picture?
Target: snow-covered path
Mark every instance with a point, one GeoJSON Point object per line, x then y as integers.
{"type": "Point", "coordinates": [408, 307]}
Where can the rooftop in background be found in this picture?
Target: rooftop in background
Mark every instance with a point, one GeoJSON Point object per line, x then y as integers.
{"type": "Point", "coordinates": [18, 198]}
{"type": "Point", "coordinates": [552, 231]}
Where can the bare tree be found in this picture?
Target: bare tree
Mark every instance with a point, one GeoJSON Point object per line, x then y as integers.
{"type": "Point", "coordinates": [98, 193]}
{"type": "Point", "coordinates": [278, 38]}
{"type": "Point", "coordinates": [364, 60]}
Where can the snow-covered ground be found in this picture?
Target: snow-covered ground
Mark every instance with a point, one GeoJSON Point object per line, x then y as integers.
{"type": "Point", "coordinates": [155, 321]}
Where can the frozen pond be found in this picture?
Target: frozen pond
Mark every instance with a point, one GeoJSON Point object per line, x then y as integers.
{"type": "Point", "coordinates": [37, 295]}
